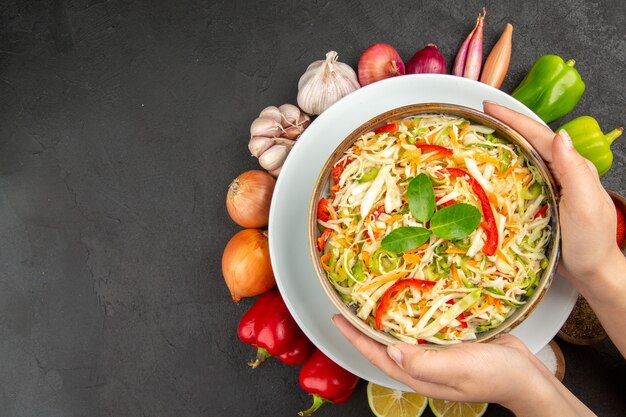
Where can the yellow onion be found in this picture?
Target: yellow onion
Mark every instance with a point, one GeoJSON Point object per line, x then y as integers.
{"type": "Point", "coordinates": [248, 199]}
{"type": "Point", "coordinates": [246, 264]}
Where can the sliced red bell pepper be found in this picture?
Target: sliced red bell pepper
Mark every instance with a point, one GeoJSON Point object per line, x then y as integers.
{"type": "Point", "coordinates": [389, 128]}
{"type": "Point", "coordinates": [388, 296]}
{"type": "Point", "coordinates": [461, 319]}
{"type": "Point", "coordinates": [447, 203]}
{"type": "Point", "coordinates": [434, 148]}
{"type": "Point", "coordinates": [323, 213]}
{"type": "Point", "coordinates": [491, 229]}
{"type": "Point", "coordinates": [376, 213]}
{"type": "Point", "coordinates": [321, 241]}
{"type": "Point", "coordinates": [325, 381]}
{"type": "Point", "coordinates": [336, 172]}
{"type": "Point", "coordinates": [541, 212]}
{"type": "Point", "coordinates": [269, 327]}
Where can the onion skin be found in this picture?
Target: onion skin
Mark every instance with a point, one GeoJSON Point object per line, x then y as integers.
{"type": "Point", "coordinates": [248, 199]}
{"type": "Point", "coordinates": [497, 63]}
{"type": "Point", "coordinates": [427, 61]}
{"type": "Point", "coordinates": [379, 61]}
{"type": "Point", "coordinates": [246, 264]}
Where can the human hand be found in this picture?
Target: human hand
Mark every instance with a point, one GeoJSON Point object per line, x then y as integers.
{"type": "Point", "coordinates": [503, 372]}
{"type": "Point", "coordinates": [587, 214]}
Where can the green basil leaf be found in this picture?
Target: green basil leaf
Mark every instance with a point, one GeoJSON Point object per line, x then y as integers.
{"type": "Point", "coordinates": [421, 196]}
{"type": "Point", "coordinates": [455, 221]}
{"type": "Point", "coordinates": [404, 239]}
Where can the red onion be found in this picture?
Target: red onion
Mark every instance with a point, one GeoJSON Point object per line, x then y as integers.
{"type": "Point", "coordinates": [378, 62]}
{"type": "Point", "coordinates": [427, 61]}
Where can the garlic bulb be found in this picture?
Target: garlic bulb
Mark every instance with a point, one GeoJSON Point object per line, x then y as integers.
{"type": "Point", "coordinates": [324, 83]}
{"type": "Point", "coordinates": [274, 133]}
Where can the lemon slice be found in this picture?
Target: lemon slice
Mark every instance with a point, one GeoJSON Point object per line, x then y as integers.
{"type": "Point", "coordinates": [387, 402]}
{"type": "Point", "coordinates": [443, 408]}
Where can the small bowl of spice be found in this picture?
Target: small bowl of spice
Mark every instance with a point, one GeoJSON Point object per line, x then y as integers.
{"type": "Point", "coordinates": [582, 327]}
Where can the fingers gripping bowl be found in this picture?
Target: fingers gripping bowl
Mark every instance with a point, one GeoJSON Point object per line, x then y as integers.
{"type": "Point", "coordinates": [436, 224]}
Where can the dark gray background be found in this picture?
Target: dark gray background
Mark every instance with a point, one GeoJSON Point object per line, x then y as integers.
{"type": "Point", "coordinates": [122, 124]}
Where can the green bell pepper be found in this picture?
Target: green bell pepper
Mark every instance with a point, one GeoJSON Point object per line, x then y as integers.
{"type": "Point", "coordinates": [383, 261]}
{"type": "Point", "coordinates": [591, 143]}
{"type": "Point", "coordinates": [552, 87]}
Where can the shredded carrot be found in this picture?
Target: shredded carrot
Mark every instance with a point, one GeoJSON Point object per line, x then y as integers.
{"type": "Point", "coordinates": [486, 158]}
{"type": "Point", "coordinates": [325, 258]}
{"type": "Point", "coordinates": [453, 137]}
{"type": "Point", "coordinates": [458, 161]}
{"type": "Point", "coordinates": [472, 262]}
{"type": "Point", "coordinates": [507, 240]}
{"type": "Point", "coordinates": [502, 256]}
{"type": "Point", "coordinates": [413, 258]}
{"type": "Point", "coordinates": [464, 131]}
{"type": "Point", "coordinates": [383, 279]}
{"type": "Point", "coordinates": [366, 256]}
{"type": "Point", "coordinates": [455, 250]}
{"type": "Point", "coordinates": [492, 199]}
{"type": "Point", "coordinates": [342, 242]}
{"type": "Point", "coordinates": [434, 157]}
{"type": "Point", "coordinates": [527, 179]}
{"type": "Point", "coordinates": [433, 134]}
{"type": "Point", "coordinates": [508, 171]}
{"type": "Point", "coordinates": [422, 305]}
{"type": "Point", "coordinates": [394, 218]}
{"type": "Point", "coordinates": [455, 274]}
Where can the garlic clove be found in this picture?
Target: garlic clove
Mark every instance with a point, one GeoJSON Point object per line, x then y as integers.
{"type": "Point", "coordinates": [271, 112]}
{"type": "Point", "coordinates": [290, 114]}
{"type": "Point", "coordinates": [274, 157]}
{"type": "Point", "coordinates": [262, 126]}
{"type": "Point", "coordinates": [293, 132]}
{"type": "Point", "coordinates": [304, 121]}
{"type": "Point", "coordinates": [259, 144]}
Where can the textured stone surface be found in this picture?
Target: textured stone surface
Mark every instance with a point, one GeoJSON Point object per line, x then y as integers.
{"type": "Point", "coordinates": [122, 124]}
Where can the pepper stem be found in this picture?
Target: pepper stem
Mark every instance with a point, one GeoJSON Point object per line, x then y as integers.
{"type": "Point", "coordinates": [317, 403]}
{"type": "Point", "coordinates": [261, 356]}
{"type": "Point", "coordinates": [614, 134]}
{"type": "Point", "coordinates": [570, 63]}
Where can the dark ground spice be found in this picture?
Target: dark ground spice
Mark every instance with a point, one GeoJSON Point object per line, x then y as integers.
{"type": "Point", "coordinates": [582, 326]}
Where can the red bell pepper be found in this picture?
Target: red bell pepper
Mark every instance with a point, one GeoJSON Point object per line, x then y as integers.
{"type": "Point", "coordinates": [322, 210]}
{"type": "Point", "coordinates": [389, 128]}
{"type": "Point", "coordinates": [447, 203]}
{"type": "Point", "coordinates": [387, 298]}
{"type": "Point", "coordinates": [491, 229]}
{"type": "Point", "coordinates": [541, 212]}
{"type": "Point", "coordinates": [269, 327]}
{"type": "Point", "coordinates": [325, 381]}
{"type": "Point", "coordinates": [620, 234]}
{"type": "Point", "coordinates": [321, 241]}
{"type": "Point", "coordinates": [335, 173]}
{"type": "Point", "coordinates": [434, 148]}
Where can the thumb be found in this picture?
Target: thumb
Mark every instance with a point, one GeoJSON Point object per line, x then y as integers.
{"type": "Point", "coordinates": [577, 175]}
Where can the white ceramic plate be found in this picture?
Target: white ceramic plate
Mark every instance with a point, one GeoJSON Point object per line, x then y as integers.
{"type": "Point", "coordinates": [289, 251]}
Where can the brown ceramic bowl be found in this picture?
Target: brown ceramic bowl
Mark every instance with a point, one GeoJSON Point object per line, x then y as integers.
{"type": "Point", "coordinates": [322, 189]}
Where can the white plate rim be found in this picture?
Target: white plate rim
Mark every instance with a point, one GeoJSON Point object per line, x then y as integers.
{"type": "Point", "coordinates": [565, 293]}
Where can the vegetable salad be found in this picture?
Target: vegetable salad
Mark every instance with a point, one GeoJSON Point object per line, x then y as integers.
{"type": "Point", "coordinates": [434, 229]}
